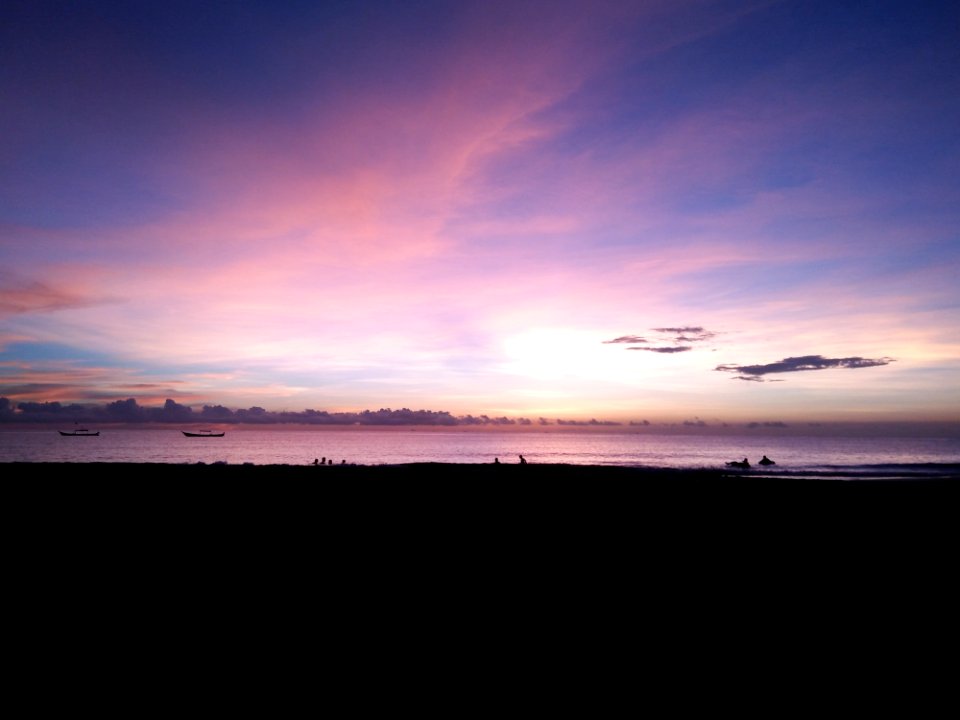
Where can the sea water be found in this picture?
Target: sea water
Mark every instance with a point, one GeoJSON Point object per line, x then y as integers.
{"type": "Point", "coordinates": [795, 456]}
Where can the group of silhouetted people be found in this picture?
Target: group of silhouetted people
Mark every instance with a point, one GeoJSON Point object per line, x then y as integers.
{"type": "Point", "coordinates": [744, 464]}
{"type": "Point", "coordinates": [523, 460]}
{"type": "Point", "coordinates": [324, 461]}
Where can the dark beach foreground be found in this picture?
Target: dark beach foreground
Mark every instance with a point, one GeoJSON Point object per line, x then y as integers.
{"type": "Point", "coordinates": [363, 524]}
{"type": "Point", "coordinates": [457, 511]}
{"type": "Point", "coordinates": [435, 492]}
{"type": "Point", "coordinates": [463, 550]}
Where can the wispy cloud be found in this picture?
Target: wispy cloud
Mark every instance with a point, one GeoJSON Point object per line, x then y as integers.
{"type": "Point", "coordinates": [686, 334]}
{"type": "Point", "coordinates": [19, 296]}
{"type": "Point", "coordinates": [74, 382]}
{"type": "Point", "coordinates": [631, 339]}
{"type": "Point", "coordinates": [665, 350]}
{"type": "Point", "coordinates": [802, 363]}
{"type": "Point", "coordinates": [680, 337]}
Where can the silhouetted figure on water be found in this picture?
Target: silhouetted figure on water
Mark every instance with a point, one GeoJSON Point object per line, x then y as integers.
{"type": "Point", "coordinates": [766, 461]}
{"type": "Point", "coordinates": [316, 462]}
{"type": "Point", "coordinates": [523, 460]}
{"type": "Point", "coordinates": [496, 461]}
{"type": "Point", "coordinates": [744, 465]}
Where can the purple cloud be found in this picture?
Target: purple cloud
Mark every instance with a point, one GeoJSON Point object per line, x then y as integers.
{"type": "Point", "coordinates": [626, 339]}
{"type": "Point", "coordinates": [680, 337]}
{"type": "Point", "coordinates": [800, 364]}
{"type": "Point", "coordinates": [686, 334]}
{"type": "Point", "coordinates": [662, 349]}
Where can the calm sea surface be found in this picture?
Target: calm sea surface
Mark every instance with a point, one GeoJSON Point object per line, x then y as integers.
{"type": "Point", "coordinates": [854, 457]}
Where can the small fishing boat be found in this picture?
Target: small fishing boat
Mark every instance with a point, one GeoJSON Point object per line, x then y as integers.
{"type": "Point", "coordinates": [202, 433]}
{"type": "Point", "coordinates": [79, 432]}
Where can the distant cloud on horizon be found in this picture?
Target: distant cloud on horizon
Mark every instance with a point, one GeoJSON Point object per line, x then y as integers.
{"type": "Point", "coordinates": [129, 410]}
{"type": "Point", "coordinates": [754, 373]}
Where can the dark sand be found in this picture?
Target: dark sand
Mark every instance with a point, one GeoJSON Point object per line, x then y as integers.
{"type": "Point", "coordinates": [433, 490]}
{"type": "Point", "coordinates": [445, 537]}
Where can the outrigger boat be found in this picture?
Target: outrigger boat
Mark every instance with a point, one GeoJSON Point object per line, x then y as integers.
{"type": "Point", "coordinates": [202, 433]}
{"type": "Point", "coordinates": [79, 432]}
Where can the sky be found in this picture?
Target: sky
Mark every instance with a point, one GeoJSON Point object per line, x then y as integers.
{"type": "Point", "coordinates": [665, 210]}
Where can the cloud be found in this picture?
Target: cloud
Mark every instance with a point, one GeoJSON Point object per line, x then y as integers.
{"type": "Point", "coordinates": [668, 350]}
{"type": "Point", "coordinates": [626, 339]}
{"type": "Point", "coordinates": [680, 337]}
{"type": "Point", "coordinates": [800, 364]}
{"type": "Point", "coordinates": [130, 410]}
{"type": "Point", "coordinates": [26, 297]}
{"type": "Point", "coordinates": [686, 334]}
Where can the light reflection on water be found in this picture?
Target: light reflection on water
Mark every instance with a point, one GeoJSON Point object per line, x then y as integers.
{"type": "Point", "coordinates": [370, 447]}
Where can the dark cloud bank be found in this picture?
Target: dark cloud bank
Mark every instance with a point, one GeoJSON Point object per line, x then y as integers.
{"type": "Point", "coordinates": [130, 411]}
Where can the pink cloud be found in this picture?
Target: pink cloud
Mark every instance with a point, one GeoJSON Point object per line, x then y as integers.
{"type": "Point", "coordinates": [19, 295]}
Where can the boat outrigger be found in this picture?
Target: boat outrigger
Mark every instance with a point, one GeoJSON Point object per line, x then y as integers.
{"type": "Point", "coordinates": [80, 432]}
{"type": "Point", "coordinates": [202, 433]}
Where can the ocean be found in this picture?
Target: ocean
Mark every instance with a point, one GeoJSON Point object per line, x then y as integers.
{"type": "Point", "coordinates": [795, 456]}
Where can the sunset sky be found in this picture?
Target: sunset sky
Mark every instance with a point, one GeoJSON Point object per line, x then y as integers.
{"type": "Point", "coordinates": [664, 210]}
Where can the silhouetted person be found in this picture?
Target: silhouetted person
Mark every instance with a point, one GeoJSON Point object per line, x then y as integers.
{"type": "Point", "coordinates": [766, 461]}
{"type": "Point", "coordinates": [316, 462]}
{"type": "Point", "coordinates": [343, 462]}
{"type": "Point", "coordinates": [496, 461]}
{"type": "Point", "coordinates": [745, 464]}
{"type": "Point", "coordinates": [523, 460]}
{"type": "Point", "coordinates": [330, 461]}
